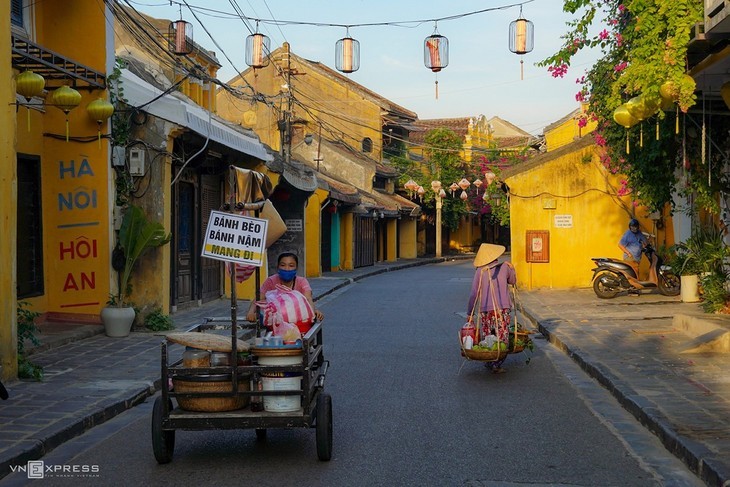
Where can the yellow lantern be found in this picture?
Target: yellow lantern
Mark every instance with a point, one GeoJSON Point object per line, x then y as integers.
{"type": "Point", "coordinates": [29, 84]}
{"type": "Point", "coordinates": [66, 99]}
{"type": "Point", "coordinates": [99, 111]}
{"type": "Point", "coordinates": [622, 117]}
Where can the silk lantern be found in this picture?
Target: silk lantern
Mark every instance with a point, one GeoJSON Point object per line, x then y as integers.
{"type": "Point", "coordinates": [347, 54]}
{"type": "Point", "coordinates": [180, 37]}
{"type": "Point", "coordinates": [436, 54]}
{"type": "Point", "coordinates": [99, 111]}
{"type": "Point", "coordinates": [257, 50]}
{"type": "Point", "coordinates": [66, 99]}
{"type": "Point", "coordinates": [29, 84]}
{"type": "Point", "coordinates": [622, 117]}
{"type": "Point", "coordinates": [521, 37]}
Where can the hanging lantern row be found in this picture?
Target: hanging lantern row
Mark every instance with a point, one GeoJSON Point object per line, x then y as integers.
{"type": "Point", "coordinates": [29, 84]}
{"type": "Point", "coordinates": [413, 187]}
{"type": "Point", "coordinates": [347, 49]}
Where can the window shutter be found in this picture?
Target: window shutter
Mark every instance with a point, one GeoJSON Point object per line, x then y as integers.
{"type": "Point", "coordinates": [16, 12]}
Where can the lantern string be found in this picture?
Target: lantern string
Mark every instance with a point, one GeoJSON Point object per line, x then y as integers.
{"type": "Point", "coordinates": [403, 23]}
{"type": "Point", "coordinates": [522, 65]}
{"type": "Point", "coordinates": [641, 135]}
{"type": "Point", "coordinates": [676, 122]}
{"type": "Point", "coordinates": [628, 149]}
{"type": "Point", "coordinates": [657, 128]}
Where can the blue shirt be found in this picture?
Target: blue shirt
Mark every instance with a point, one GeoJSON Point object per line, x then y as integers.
{"type": "Point", "coordinates": [633, 242]}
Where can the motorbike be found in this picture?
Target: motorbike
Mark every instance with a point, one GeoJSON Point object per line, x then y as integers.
{"type": "Point", "coordinates": [613, 276]}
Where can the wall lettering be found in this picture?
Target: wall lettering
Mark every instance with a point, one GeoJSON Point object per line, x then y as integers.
{"type": "Point", "coordinates": [83, 282]}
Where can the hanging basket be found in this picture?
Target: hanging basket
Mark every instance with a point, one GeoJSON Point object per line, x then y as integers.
{"type": "Point", "coordinates": [482, 355]}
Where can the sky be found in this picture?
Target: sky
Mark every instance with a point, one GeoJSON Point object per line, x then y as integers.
{"type": "Point", "coordinates": [482, 77]}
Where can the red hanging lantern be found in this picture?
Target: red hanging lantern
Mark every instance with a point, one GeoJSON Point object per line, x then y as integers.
{"type": "Point", "coordinates": [436, 54]}
{"type": "Point", "coordinates": [180, 37]}
{"type": "Point", "coordinates": [521, 37]}
{"type": "Point", "coordinates": [257, 50]}
{"type": "Point", "coordinates": [347, 54]}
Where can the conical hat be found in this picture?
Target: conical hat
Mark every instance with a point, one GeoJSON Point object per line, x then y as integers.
{"type": "Point", "coordinates": [488, 253]}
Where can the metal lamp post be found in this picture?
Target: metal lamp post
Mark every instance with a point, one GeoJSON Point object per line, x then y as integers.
{"type": "Point", "coordinates": [436, 186]}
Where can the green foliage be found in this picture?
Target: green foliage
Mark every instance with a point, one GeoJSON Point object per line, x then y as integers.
{"type": "Point", "coordinates": [704, 252]}
{"type": "Point", "coordinates": [158, 321]}
{"type": "Point", "coordinates": [121, 124]}
{"type": "Point", "coordinates": [714, 293]}
{"type": "Point", "coordinates": [137, 235]}
{"type": "Point", "coordinates": [644, 45]}
{"type": "Point", "coordinates": [27, 330]}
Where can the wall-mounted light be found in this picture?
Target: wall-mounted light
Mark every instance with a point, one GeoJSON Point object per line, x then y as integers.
{"type": "Point", "coordinates": [66, 99]}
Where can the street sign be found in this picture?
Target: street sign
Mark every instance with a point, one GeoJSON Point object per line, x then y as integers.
{"type": "Point", "coordinates": [235, 238]}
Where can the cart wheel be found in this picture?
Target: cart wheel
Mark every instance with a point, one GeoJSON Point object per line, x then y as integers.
{"type": "Point", "coordinates": [324, 427]}
{"type": "Point", "coordinates": [163, 442]}
{"type": "Point", "coordinates": [261, 434]}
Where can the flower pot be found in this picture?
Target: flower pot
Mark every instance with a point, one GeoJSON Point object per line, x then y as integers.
{"type": "Point", "coordinates": [690, 291]}
{"type": "Point", "coordinates": [117, 321]}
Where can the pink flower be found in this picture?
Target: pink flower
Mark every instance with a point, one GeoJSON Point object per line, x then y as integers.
{"type": "Point", "coordinates": [582, 122]}
{"type": "Point", "coordinates": [579, 96]}
{"type": "Point", "coordinates": [619, 40]}
{"type": "Point", "coordinates": [603, 35]}
{"type": "Point", "coordinates": [620, 66]}
{"type": "Point", "coordinates": [558, 71]}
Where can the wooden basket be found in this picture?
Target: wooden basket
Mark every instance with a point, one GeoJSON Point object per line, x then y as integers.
{"type": "Point", "coordinates": [213, 403]}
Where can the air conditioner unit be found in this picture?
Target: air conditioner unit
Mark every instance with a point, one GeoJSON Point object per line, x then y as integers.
{"type": "Point", "coordinates": [137, 162]}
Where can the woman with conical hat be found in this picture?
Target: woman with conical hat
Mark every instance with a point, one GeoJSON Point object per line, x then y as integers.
{"type": "Point", "coordinates": [491, 287]}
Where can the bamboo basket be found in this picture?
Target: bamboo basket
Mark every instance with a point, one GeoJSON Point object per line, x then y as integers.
{"type": "Point", "coordinates": [482, 355]}
{"type": "Point", "coordinates": [214, 403]}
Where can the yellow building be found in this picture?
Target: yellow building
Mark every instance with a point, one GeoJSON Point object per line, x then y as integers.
{"type": "Point", "coordinates": [565, 209]}
{"type": "Point", "coordinates": [483, 139]}
{"type": "Point", "coordinates": [314, 115]}
{"type": "Point", "coordinates": [55, 182]}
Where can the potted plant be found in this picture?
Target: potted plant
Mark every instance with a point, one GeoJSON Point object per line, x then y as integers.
{"type": "Point", "coordinates": [698, 259]}
{"type": "Point", "coordinates": [137, 235]}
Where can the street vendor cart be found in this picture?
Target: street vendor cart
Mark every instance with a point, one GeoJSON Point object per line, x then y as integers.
{"type": "Point", "coordinates": [232, 377]}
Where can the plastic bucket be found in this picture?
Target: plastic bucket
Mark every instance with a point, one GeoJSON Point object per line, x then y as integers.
{"type": "Point", "coordinates": [283, 360]}
{"type": "Point", "coordinates": [282, 404]}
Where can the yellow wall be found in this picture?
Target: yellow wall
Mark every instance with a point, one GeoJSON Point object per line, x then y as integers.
{"type": "Point", "coordinates": [8, 198]}
{"type": "Point", "coordinates": [408, 244]}
{"type": "Point", "coordinates": [392, 225]}
{"type": "Point", "coordinates": [74, 175]}
{"type": "Point", "coordinates": [312, 234]}
{"type": "Point", "coordinates": [572, 185]}
{"type": "Point", "coordinates": [566, 132]}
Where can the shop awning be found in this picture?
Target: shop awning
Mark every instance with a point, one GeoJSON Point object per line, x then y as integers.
{"type": "Point", "coordinates": [338, 190]}
{"type": "Point", "coordinates": [394, 204]}
{"type": "Point", "coordinates": [150, 99]}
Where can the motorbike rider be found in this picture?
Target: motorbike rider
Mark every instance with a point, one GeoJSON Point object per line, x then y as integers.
{"type": "Point", "coordinates": [631, 244]}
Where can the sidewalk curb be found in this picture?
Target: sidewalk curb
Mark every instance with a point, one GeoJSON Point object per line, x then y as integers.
{"type": "Point", "coordinates": [698, 459]}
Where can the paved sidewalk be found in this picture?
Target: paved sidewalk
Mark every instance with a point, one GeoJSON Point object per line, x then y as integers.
{"type": "Point", "coordinates": [632, 345]}
{"type": "Point", "coordinates": [637, 347]}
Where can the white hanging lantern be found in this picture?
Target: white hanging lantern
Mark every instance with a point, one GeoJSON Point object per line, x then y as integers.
{"type": "Point", "coordinates": [257, 50]}
{"type": "Point", "coordinates": [436, 186]}
{"type": "Point", "coordinates": [489, 177]}
{"type": "Point", "coordinates": [463, 195]}
{"type": "Point", "coordinates": [478, 183]}
{"type": "Point", "coordinates": [347, 54]}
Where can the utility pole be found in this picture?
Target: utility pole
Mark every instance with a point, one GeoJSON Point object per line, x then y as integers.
{"type": "Point", "coordinates": [285, 123]}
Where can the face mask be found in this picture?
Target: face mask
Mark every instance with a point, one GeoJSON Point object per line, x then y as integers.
{"type": "Point", "coordinates": [287, 276]}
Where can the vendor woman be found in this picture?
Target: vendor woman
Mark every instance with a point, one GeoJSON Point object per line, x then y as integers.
{"type": "Point", "coordinates": [286, 275]}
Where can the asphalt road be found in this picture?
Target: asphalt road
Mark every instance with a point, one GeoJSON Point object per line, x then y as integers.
{"type": "Point", "coordinates": [408, 411]}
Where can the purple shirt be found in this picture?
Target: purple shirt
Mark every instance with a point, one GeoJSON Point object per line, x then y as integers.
{"type": "Point", "coordinates": [501, 275]}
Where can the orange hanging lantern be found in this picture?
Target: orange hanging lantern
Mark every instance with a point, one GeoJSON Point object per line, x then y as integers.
{"type": "Point", "coordinates": [436, 54]}
{"type": "Point", "coordinates": [463, 184]}
{"type": "Point", "coordinates": [420, 192]}
{"type": "Point", "coordinates": [180, 37]}
{"type": "Point", "coordinates": [521, 37]}
{"type": "Point", "coordinates": [257, 50]}
{"type": "Point", "coordinates": [347, 54]}
{"type": "Point", "coordinates": [478, 183]}
{"type": "Point", "coordinates": [29, 84]}
{"type": "Point", "coordinates": [453, 188]}
{"type": "Point", "coordinates": [99, 111]}
{"type": "Point", "coordinates": [435, 186]}
{"type": "Point", "coordinates": [66, 99]}
{"type": "Point", "coordinates": [489, 176]}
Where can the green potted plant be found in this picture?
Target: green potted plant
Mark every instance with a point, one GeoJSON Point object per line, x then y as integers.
{"type": "Point", "coordinates": [698, 259]}
{"type": "Point", "coordinates": [137, 235]}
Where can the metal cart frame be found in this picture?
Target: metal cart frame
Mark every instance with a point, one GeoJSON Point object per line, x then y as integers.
{"type": "Point", "coordinates": [316, 410]}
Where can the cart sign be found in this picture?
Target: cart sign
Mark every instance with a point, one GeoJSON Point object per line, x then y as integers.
{"type": "Point", "coordinates": [235, 238]}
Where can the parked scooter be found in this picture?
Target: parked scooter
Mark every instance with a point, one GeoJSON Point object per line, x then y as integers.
{"type": "Point", "coordinates": [613, 276]}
